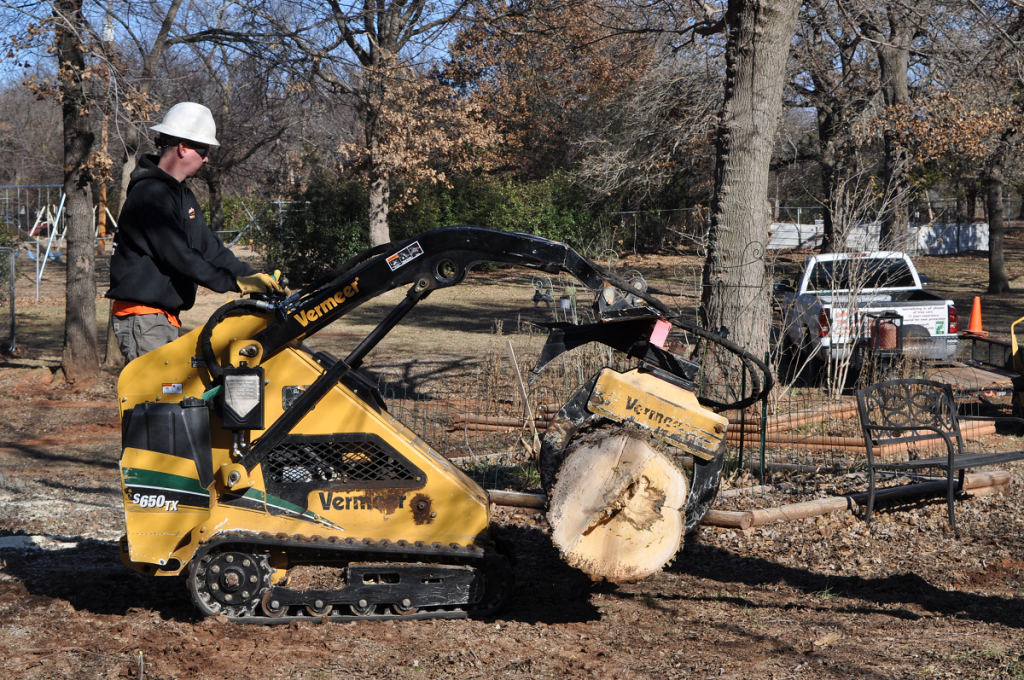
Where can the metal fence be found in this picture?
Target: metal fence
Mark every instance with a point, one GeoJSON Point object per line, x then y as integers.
{"type": "Point", "coordinates": [8, 334]}
{"type": "Point", "coordinates": [805, 438]}
{"type": "Point", "coordinates": [31, 210]}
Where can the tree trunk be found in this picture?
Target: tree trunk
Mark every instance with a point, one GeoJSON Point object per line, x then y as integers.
{"type": "Point", "coordinates": [972, 203]}
{"type": "Point", "coordinates": [829, 178]}
{"type": "Point", "coordinates": [80, 359]}
{"type": "Point", "coordinates": [733, 294]}
{"type": "Point", "coordinates": [132, 139]}
{"type": "Point", "coordinates": [998, 281]}
{"type": "Point", "coordinates": [214, 186]}
{"type": "Point", "coordinates": [130, 163]}
{"type": "Point", "coordinates": [380, 194]}
{"type": "Point", "coordinates": [112, 356]}
{"type": "Point", "coordinates": [893, 63]}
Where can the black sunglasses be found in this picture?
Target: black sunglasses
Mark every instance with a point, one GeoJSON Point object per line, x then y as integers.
{"type": "Point", "coordinates": [203, 151]}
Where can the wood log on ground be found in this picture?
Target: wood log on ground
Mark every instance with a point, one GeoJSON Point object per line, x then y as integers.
{"type": "Point", "coordinates": [542, 426]}
{"type": "Point", "coordinates": [829, 409]}
{"type": "Point", "coordinates": [989, 491]}
{"type": "Point", "coordinates": [751, 490]}
{"type": "Point", "coordinates": [728, 518]}
{"type": "Point", "coordinates": [979, 484]}
{"type": "Point", "coordinates": [970, 430]}
{"type": "Point", "coordinates": [616, 509]}
{"type": "Point", "coordinates": [786, 513]}
{"type": "Point", "coordinates": [502, 421]}
{"type": "Point", "coordinates": [516, 499]}
{"type": "Point", "coordinates": [790, 421]}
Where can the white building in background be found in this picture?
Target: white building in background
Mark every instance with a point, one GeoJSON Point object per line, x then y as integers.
{"type": "Point", "coordinates": [924, 239]}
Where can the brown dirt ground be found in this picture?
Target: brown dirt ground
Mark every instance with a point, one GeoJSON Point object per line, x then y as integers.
{"type": "Point", "coordinates": [830, 597]}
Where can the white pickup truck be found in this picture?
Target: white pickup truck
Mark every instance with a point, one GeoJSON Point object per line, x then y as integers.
{"type": "Point", "coordinates": [842, 299]}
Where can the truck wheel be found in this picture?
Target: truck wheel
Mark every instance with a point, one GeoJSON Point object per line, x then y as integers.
{"type": "Point", "coordinates": [815, 370]}
{"type": "Point", "coordinates": [789, 361]}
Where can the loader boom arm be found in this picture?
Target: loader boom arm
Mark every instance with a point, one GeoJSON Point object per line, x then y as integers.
{"type": "Point", "coordinates": [436, 259]}
{"type": "Point", "coordinates": [442, 258]}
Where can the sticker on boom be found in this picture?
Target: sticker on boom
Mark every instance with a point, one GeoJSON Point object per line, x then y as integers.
{"type": "Point", "coordinates": [405, 255]}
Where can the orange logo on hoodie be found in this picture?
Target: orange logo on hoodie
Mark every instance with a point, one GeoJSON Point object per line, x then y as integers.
{"type": "Point", "coordinates": [191, 213]}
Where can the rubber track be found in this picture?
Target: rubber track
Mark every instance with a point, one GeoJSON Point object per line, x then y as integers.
{"type": "Point", "coordinates": [367, 550]}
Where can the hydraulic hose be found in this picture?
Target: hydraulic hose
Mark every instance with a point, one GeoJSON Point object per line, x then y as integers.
{"type": "Point", "coordinates": [206, 347]}
{"type": "Point", "coordinates": [748, 359]}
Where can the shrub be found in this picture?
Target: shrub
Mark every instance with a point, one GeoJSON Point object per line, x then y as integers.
{"type": "Point", "coordinates": [325, 228]}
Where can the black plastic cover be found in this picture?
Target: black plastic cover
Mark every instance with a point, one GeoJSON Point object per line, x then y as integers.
{"type": "Point", "coordinates": [181, 430]}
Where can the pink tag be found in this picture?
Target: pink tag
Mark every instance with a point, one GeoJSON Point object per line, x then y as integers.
{"type": "Point", "coordinates": [660, 333]}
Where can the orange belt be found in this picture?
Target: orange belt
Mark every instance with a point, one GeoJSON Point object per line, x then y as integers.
{"type": "Point", "coordinates": [121, 308]}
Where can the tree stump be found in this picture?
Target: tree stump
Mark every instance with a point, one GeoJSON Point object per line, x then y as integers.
{"type": "Point", "coordinates": [616, 509]}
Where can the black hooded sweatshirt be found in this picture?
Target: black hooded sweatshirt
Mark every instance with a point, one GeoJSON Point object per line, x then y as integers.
{"type": "Point", "coordinates": [163, 249]}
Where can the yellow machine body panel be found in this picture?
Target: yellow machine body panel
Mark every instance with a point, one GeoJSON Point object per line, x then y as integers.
{"type": "Point", "coordinates": [435, 502]}
{"type": "Point", "coordinates": [671, 413]}
{"type": "Point", "coordinates": [163, 500]}
{"type": "Point", "coordinates": [1018, 363]}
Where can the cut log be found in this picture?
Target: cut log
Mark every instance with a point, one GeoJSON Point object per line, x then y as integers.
{"type": "Point", "coordinates": [989, 491]}
{"type": "Point", "coordinates": [785, 513]}
{"type": "Point", "coordinates": [517, 499]}
{"type": "Point", "coordinates": [978, 484]}
{"type": "Point", "coordinates": [728, 518]}
{"type": "Point", "coordinates": [616, 509]}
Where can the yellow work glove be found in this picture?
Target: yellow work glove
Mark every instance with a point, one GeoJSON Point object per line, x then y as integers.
{"type": "Point", "coordinates": [259, 283]}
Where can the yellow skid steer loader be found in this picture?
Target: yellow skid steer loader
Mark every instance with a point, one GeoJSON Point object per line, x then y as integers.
{"type": "Point", "coordinates": [245, 453]}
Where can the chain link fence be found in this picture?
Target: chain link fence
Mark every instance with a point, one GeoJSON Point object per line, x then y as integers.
{"type": "Point", "coordinates": [805, 440]}
{"type": "Point", "coordinates": [8, 328]}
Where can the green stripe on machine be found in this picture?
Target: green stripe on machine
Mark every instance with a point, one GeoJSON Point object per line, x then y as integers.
{"type": "Point", "coordinates": [152, 478]}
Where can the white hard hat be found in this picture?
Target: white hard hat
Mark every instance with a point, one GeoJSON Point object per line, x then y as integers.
{"type": "Point", "coordinates": [189, 121]}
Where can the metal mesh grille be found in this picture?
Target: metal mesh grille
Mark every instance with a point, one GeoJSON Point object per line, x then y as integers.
{"type": "Point", "coordinates": [331, 460]}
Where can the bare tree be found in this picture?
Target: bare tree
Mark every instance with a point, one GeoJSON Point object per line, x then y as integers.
{"type": "Point", "coordinates": [80, 359]}
{"type": "Point", "coordinates": [831, 74]}
{"type": "Point", "coordinates": [148, 52]}
{"type": "Point", "coordinates": [29, 151]}
{"type": "Point", "coordinates": [660, 132]}
{"type": "Point", "coordinates": [253, 108]}
{"type": "Point", "coordinates": [892, 28]}
{"type": "Point", "coordinates": [376, 57]}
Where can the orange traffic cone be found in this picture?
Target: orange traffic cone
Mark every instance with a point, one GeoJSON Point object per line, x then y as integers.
{"type": "Point", "coordinates": [974, 328]}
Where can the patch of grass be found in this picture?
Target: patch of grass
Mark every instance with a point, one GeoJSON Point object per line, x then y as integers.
{"type": "Point", "coordinates": [827, 592]}
{"type": "Point", "coordinates": [647, 599]}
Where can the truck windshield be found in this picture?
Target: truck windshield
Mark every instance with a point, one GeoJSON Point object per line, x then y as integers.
{"type": "Point", "coordinates": [860, 274]}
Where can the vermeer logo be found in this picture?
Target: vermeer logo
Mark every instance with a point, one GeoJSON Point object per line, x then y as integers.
{"type": "Point", "coordinates": [304, 317]}
{"type": "Point", "coordinates": [331, 502]}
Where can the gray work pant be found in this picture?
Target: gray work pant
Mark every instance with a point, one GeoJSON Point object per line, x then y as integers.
{"type": "Point", "coordinates": [140, 333]}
